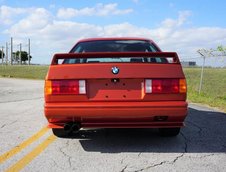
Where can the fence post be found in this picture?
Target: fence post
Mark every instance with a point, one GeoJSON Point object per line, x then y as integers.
{"type": "Point", "coordinates": [200, 84]}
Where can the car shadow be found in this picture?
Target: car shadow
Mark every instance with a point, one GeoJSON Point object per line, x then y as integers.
{"type": "Point", "coordinates": [205, 132]}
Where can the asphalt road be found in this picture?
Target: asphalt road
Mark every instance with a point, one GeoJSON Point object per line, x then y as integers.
{"type": "Point", "coordinates": [26, 144]}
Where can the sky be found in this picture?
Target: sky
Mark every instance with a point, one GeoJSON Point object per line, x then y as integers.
{"type": "Point", "coordinates": [53, 26]}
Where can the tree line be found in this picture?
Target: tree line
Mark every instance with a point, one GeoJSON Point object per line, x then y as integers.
{"type": "Point", "coordinates": [16, 56]}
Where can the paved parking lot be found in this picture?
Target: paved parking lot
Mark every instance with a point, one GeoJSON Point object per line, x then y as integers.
{"type": "Point", "coordinates": [27, 144]}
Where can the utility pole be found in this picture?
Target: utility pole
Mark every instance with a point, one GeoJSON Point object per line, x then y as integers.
{"type": "Point", "coordinates": [6, 53]}
{"type": "Point", "coordinates": [200, 84]}
{"type": "Point", "coordinates": [29, 51]}
{"type": "Point", "coordinates": [11, 44]}
{"type": "Point", "coordinates": [2, 54]}
{"type": "Point", "coordinates": [20, 53]}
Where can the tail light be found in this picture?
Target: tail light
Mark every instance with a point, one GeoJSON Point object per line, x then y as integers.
{"type": "Point", "coordinates": [61, 87]}
{"type": "Point", "coordinates": [165, 86]}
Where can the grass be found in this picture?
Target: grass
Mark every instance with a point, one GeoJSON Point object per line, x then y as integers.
{"type": "Point", "coordinates": [213, 90]}
{"type": "Point", "coordinates": [28, 72]}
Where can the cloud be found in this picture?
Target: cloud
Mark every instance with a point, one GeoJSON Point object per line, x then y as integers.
{"type": "Point", "coordinates": [49, 34]}
{"type": "Point", "coordinates": [98, 10]}
{"type": "Point", "coordinates": [135, 1]}
{"type": "Point", "coordinates": [183, 15]}
{"type": "Point", "coordinates": [7, 14]}
{"type": "Point", "coordinates": [33, 23]}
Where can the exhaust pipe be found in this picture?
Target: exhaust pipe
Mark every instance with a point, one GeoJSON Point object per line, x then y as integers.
{"type": "Point", "coordinates": [67, 126]}
{"type": "Point", "coordinates": [71, 127]}
{"type": "Point", "coordinates": [75, 127]}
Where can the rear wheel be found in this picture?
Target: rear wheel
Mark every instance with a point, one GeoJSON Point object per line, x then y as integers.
{"type": "Point", "coordinates": [169, 132]}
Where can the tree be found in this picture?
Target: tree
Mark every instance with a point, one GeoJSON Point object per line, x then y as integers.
{"type": "Point", "coordinates": [1, 54]}
{"type": "Point", "coordinates": [24, 56]}
{"type": "Point", "coordinates": [221, 48]}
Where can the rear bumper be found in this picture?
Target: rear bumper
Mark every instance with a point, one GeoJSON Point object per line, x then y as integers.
{"type": "Point", "coordinates": [117, 114]}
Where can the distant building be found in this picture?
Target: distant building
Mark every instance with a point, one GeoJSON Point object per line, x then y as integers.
{"type": "Point", "coordinates": [188, 64]}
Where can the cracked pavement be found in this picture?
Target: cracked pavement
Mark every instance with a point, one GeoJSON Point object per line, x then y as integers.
{"type": "Point", "coordinates": [200, 146]}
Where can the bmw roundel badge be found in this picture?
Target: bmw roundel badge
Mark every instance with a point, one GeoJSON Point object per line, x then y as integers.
{"type": "Point", "coordinates": [115, 70]}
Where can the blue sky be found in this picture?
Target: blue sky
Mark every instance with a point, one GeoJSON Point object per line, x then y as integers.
{"type": "Point", "coordinates": [54, 26]}
{"type": "Point", "coordinates": [146, 12]}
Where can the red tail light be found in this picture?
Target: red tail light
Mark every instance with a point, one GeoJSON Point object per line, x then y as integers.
{"type": "Point", "coordinates": [60, 87]}
{"type": "Point", "coordinates": [165, 86]}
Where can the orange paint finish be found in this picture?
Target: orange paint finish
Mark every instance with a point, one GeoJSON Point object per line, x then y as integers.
{"type": "Point", "coordinates": [109, 100]}
{"type": "Point", "coordinates": [116, 113]}
{"type": "Point", "coordinates": [103, 70]}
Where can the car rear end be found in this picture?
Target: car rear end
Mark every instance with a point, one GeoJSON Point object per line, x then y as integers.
{"type": "Point", "coordinates": [125, 92]}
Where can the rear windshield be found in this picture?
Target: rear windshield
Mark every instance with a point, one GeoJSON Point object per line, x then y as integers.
{"type": "Point", "coordinates": [115, 46]}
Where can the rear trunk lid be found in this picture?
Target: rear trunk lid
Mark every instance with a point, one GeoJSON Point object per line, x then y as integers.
{"type": "Point", "coordinates": [102, 84]}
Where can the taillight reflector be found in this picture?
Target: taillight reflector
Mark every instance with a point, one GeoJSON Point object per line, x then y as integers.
{"type": "Point", "coordinates": [183, 86]}
{"type": "Point", "coordinates": [48, 87]}
{"type": "Point", "coordinates": [82, 87]}
{"type": "Point", "coordinates": [165, 86]}
{"type": "Point", "coordinates": [148, 86]}
{"type": "Point", "coordinates": [61, 87]}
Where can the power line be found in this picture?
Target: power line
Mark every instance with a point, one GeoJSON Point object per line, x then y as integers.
{"type": "Point", "coordinates": [9, 49]}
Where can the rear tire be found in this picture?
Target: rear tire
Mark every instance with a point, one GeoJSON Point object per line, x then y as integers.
{"type": "Point", "coordinates": [169, 132]}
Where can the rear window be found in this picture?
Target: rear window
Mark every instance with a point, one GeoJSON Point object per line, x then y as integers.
{"type": "Point", "coordinates": [115, 46]}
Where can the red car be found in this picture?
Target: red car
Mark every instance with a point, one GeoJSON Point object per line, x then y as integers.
{"type": "Point", "coordinates": [115, 83]}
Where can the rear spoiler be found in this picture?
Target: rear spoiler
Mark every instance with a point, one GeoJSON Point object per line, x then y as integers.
{"type": "Point", "coordinates": [172, 55]}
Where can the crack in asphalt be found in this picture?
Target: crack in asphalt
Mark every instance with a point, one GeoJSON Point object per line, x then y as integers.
{"type": "Point", "coordinates": [195, 125]}
{"type": "Point", "coordinates": [152, 166]}
{"type": "Point", "coordinates": [124, 168]}
{"type": "Point", "coordinates": [8, 124]}
{"type": "Point", "coordinates": [66, 155]}
{"type": "Point", "coordinates": [204, 156]}
{"type": "Point", "coordinates": [3, 125]}
{"type": "Point", "coordinates": [12, 101]}
{"type": "Point", "coordinates": [163, 162]}
{"type": "Point", "coordinates": [57, 165]}
{"type": "Point", "coordinates": [122, 161]}
{"type": "Point", "coordinates": [185, 142]}
{"type": "Point", "coordinates": [158, 164]}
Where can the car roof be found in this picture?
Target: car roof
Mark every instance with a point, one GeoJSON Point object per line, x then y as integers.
{"type": "Point", "coordinates": [114, 38]}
